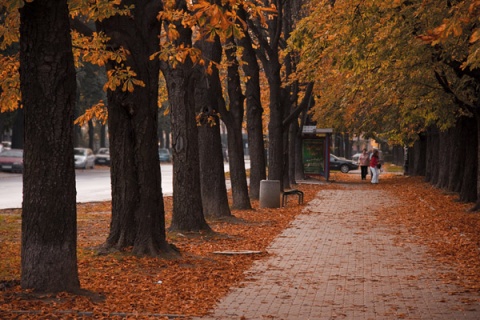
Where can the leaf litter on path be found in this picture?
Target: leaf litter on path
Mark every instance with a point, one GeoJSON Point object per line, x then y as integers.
{"type": "Point", "coordinates": [146, 287]}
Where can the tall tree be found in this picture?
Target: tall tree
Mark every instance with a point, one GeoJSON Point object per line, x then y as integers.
{"type": "Point", "coordinates": [177, 69]}
{"type": "Point", "coordinates": [233, 119]}
{"type": "Point", "coordinates": [377, 76]}
{"type": "Point", "coordinates": [268, 33]}
{"type": "Point", "coordinates": [256, 145]}
{"type": "Point", "coordinates": [138, 215]}
{"type": "Point", "coordinates": [208, 93]}
{"type": "Point", "coordinates": [47, 82]}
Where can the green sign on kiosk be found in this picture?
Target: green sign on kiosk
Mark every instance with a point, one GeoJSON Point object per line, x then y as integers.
{"type": "Point", "coordinates": [316, 154]}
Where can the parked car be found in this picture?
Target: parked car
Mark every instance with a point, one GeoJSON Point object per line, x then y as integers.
{"type": "Point", "coordinates": [342, 164]}
{"type": "Point", "coordinates": [356, 157]}
{"type": "Point", "coordinates": [164, 155]}
{"type": "Point", "coordinates": [11, 160]}
{"type": "Point", "coordinates": [84, 158]}
{"type": "Point", "coordinates": [5, 145]}
{"type": "Point", "coordinates": [103, 156]}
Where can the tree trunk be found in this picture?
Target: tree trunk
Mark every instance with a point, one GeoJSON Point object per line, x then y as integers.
{"type": "Point", "coordinates": [476, 207]}
{"type": "Point", "coordinates": [138, 216]}
{"type": "Point", "coordinates": [275, 125]}
{"type": "Point", "coordinates": [208, 94]}
{"type": "Point", "coordinates": [468, 190]}
{"type": "Point", "coordinates": [233, 120]}
{"type": "Point", "coordinates": [419, 163]}
{"type": "Point", "coordinates": [18, 130]}
{"type": "Point", "coordinates": [457, 157]}
{"type": "Point", "coordinates": [268, 53]}
{"type": "Point", "coordinates": [445, 154]}
{"type": "Point", "coordinates": [91, 135]}
{"type": "Point", "coordinates": [292, 153]}
{"type": "Point", "coordinates": [187, 200]}
{"type": "Point", "coordinates": [48, 85]}
{"type": "Point", "coordinates": [256, 146]}
{"type": "Point", "coordinates": [123, 176]}
{"type": "Point", "coordinates": [431, 172]}
{"type": "Point", "coordinates": [103, 136]}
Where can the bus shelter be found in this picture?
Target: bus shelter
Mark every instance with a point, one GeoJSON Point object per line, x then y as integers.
{"type": "Point", "coordinates": [316, 151]}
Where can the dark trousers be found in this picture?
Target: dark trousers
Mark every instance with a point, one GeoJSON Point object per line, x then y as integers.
{"type": "Point", "coordinates": [364, 172]}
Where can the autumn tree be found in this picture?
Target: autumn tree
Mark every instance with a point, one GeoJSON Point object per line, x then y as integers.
{"type": "Point", "coordinates": [270, 28]}
{"type": "Point", "coordinates": [233, 119]}
{"type": "Point", "coordinates": [268, 33]}
{"type": "Point", "coordinates": [137, 199]}
{"type": "Point", "coordinates": [455, 43]}
{"type": "Point", "coordinates": [47, 83]}
{"type": "Point", "coordinates": [177, 67]}
{"type": "Point", "coordinates": [256, 145]}
{"type": "Point", "coordinates": [379, 77]}
{"type": "Point", "coordinates": [208, 101]}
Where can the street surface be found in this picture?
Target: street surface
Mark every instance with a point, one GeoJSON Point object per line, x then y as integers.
{"type": "Point", "coordinates": [92, 185]}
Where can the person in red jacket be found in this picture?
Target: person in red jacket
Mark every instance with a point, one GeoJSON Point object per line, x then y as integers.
{"type": "Point", "coordinates": [374, 162]}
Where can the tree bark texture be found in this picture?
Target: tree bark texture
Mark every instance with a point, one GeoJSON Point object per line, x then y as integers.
{"type": "Point", "coordinates": [48, 87]}
{"type": "Point", "coordinates": [275, 125]}
{"type": "Point", "coordinates": [268, 53]}
{"type": "Point", "coordinates": [208, 95]}
{"type": "Point", "coordinates": [187, 201]}
{"type": "Point", "coordinates": [138, 215]}
{"type": "Point", "coordinates": [418, 162]}
{"type": "Point", "coordinates": [256, 145]}
{"type": "Point", "coordinates": [451, 158]}
{"type": "Point", "coordinates": [469, 189]}
{"type": "Point", "coordinates": [476, 207]}
{"type": "Point", "coordinates": [293, 134]}
{"type": "Point", "coordinates": [18, 130]}
{"type": "Point", "coordinates": [233, 119]}
{"type": "Point", "coordinates": [457, 156]}
{"type": "Point", "coordinates": [431, 169]}
{"type": "Point", "coordinates": [445, 149]}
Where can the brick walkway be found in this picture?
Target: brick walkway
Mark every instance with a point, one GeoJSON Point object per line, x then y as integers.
{"type": "Point", "coordinates": [334, 263]}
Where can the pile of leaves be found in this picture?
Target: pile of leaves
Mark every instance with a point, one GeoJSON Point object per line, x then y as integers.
{"type": "Point", "coordinates": [122, 285]}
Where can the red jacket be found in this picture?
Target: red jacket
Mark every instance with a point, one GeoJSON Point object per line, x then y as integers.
{"type": "Point", "coordinates": [374, 161]}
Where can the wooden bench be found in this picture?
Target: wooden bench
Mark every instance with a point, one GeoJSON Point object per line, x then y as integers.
{"type": "Point", "coordinates": [292, 192]}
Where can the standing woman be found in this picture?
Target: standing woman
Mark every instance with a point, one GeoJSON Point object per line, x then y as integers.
{"type": "Point", "coordinates": [364, 163]}
{"type": "Point", "coordinates": [374, 161]}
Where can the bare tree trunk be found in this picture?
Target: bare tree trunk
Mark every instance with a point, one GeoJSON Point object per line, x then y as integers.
{"type": "Point", "coordinates": [187, 200]}
{"type": "Point", "coordinates": [256, 144]}
{"type": "Point", "coordinates": [476, 207]}
{"type": "Point", "coordinates": [208, 94]}
{"type": "Point", "coordinates": [431, 171]}
{"type": "Point", "coordinates": [49, 216]}
{"type": "Point", "coordinates": [18, 130]}
{"type": "Point", "coordinates": [233, 120]}
{"type": "Point", "coordinates": [138, 215]}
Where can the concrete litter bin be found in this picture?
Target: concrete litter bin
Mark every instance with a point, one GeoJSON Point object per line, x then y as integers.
{"type": "Point", "coordinates": [270, 194]}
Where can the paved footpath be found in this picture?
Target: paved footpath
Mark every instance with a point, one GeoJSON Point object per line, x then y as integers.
{"type": "Point", "coordinates": [333, 262]}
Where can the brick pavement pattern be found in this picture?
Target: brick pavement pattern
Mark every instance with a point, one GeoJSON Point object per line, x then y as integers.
{"type": "Point", "coordinates": [333, 262]}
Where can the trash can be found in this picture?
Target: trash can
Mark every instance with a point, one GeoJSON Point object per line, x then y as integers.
{"type": "Point", "coordinates": [270, 194]}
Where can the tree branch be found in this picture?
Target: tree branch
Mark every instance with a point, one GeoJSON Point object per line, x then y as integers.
{"type": "Point", "coordinates": [303, 105]}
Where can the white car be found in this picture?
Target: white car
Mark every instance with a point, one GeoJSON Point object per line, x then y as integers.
{"type": "Point", "coordinates": [84, 158]}
{"type": "Point", "coordinates": [103, 156]}
{"type": "Point", "coordinates": [356, 157]}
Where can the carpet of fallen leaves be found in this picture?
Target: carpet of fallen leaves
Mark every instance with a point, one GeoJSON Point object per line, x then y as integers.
{"type": "Point", "coordinates": [125, 286]}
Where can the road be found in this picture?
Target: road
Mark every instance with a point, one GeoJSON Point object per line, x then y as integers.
{"type": "Point", "coordinates": [92, 185]}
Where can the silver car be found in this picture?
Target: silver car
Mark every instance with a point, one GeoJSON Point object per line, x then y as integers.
{"type": "Point", "coordinates": [103, 156]}
{"type": "Point", "coordinates": [84, 158]}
